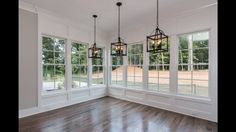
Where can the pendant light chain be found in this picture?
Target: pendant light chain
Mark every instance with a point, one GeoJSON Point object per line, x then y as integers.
{"type": "Point", "coordinates": [119, 48]}
{"type": "Point", "coordinates": [158, 42]}
{"type": "Point", "coordinates": [118, 22]}
{"type": "Point", "coordinates": [95, 31]}
{"type": "Point", "coordinates": [157, 13]}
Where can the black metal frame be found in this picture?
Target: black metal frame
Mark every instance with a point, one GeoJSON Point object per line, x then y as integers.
{"type": "Point", "coordinates": [119, 44]}
{"type": "Point", "coordinates": [159, 35]}
{"type": "Point", "coordinates": [91, 50]}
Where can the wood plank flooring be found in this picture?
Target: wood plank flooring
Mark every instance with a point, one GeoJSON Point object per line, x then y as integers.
{"type": "Point", "coordinates": [113, 115]}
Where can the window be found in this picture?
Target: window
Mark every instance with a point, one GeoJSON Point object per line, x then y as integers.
{"type": "Point", "coordinates": [158, 71]}
{"type": "Point", "coordinates": [117, 71]}
{"type": "Point", "coordinates": [135, 66]}
{"type": "Point", "coordinates": [79, 65]}
{"type": "Point", "coordinates": [97, 70]}
{"type": "Point", "coordinates": [53, 60]}
{"type": "Point", "coordinates": [193, 64]}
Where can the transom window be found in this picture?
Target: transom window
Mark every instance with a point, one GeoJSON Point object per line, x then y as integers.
{"type": "Point", "coordinates": [53, 60]}
{"type": "Point", "coordinates": [193, 64]}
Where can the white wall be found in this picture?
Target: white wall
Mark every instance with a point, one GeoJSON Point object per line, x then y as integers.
{"type": "Point", "coordinates": [189, 21]}
{"type": "Point", "coordinates": [27, 59]}
{"type": "Point", "coordinates": [50, 23]}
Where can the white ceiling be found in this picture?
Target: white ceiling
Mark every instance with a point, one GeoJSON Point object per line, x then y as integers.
{"type": "Point", "coordinates": [131, 10]}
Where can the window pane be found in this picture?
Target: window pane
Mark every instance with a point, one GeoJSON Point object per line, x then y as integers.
{"type": "Point", "coordinates": [163, 84]}
{"type": "Point", "coordinates": [96, 61]}
{"type": "Point", "coordinates": [130, 71]}
{"type": "Point", "coordinates": [183, 42]}
{"type": "Point", "coordinates": [184, 86]}
{"type": "Point", "coordinates": [130, 81]}
{"type": "Point", "coordinates": [152, 72]}
{"type": "Point", "coordinates": [164, 72]}
{"type": "Point", "coordinates": [200, 44]}
{"type": "Point", "coordinates": [83, 47]}
{"type": "Point", "coordinates": [97, 75]}
{"type": "Point", "coordinates": [48, 57]}
{"type": "Point", "coordinates": [74, 48]}
{"type": "Point", "coordinates": [48, 43]}
{"type": "Point", "coordinates": [119, 70]}
{"type": "Point", "coordinates": [83, 76]}
{"type": "Point", "coordinates": [48, 77]}
{"type": "Point", "coordinates": [153, 86]}
{"type": "Point", "coordinates": [138, 71]}
{"type": "Point", "coordinates": [59, 58]}
{"type": "Point", "coordinates": [60, 76]}
{"type": "Point", "coordinates": [59, 45]}
{"type": "Point", "coordinates": [184, 73]}
{"type": "Point", "coordinates": [183, 56]}
{"type": "Point", "coordinates": [193, 54]}
{"type": "Point", "coordinates": [75, 76]}
{"type": "Point", "coordinates": [200, 88]}
{"type": "Point", "coordinates": [100, 74]}
{"type": "Point", "coordinates": [117, 60]}
{"type": "Point", "coordinates": [200, 72]}
{"type": "Point", "coordinates": [83, 59]}
{"type": "Point", "coordinates": [74, 58]}
{"type": "Point", "coordinates": [120, 80]}
{"type": "Point", "coordinates": [200, 56]}
{"type": "Point", "coordinates": [113, 79]}
{"type": "Point", "coordinates": [201, 36]}
{"type": "Point", "coordinates": [138, 82]}
{"type": "Point", "coordinates": [152, 58]}
{"type": "Point", "coordinates": [153, 80]}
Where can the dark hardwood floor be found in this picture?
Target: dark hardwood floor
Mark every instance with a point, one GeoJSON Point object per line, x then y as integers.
{"type": "Point", "coordinates": [113, 115]}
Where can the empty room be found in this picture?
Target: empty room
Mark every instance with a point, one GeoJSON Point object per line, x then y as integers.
{"type": "Point", "coordinates": [118, 66]}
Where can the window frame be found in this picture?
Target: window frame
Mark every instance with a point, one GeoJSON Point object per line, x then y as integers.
{"type": "Point", "coordinates": [103, 67]}
{"type": "Point", "coordinates": [111, 75]}
{"type": "Point", "coordinates": [157, 89]}
{"type": "Point", "coordinates": [133, 87]}
{"type": "Point", "coordinates": [71, 65]}
{"type": "Point", "coordinates": [194, 64]}
{"type": "Point", "coordinates": [42, 91]}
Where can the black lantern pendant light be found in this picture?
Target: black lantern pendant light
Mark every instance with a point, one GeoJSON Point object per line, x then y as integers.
{"type": "Point", "coordinates": [157, 42]}
{"type": "Point", "coordinates": [119, 48]}
{"type": "Point", "coordinates": [94, 52]}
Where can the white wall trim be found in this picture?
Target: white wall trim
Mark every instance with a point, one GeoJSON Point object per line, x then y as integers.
{"type": "Point", "coordinates": [143, 102]}
{"type": "Point", "coordinates": [27, 6]}
{"type": "Point", "coordinates": [37, 110]}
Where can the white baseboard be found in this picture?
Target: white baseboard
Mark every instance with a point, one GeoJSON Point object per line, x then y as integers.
{"type": "Point", "coordinates": [164, 108]}
{"type": "Point", "coordinates": [37, 110]}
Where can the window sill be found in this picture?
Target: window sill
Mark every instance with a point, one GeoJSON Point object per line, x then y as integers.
{"type": "Point", "coordinates": [134, 89]}
{"type": "Point", "coordinates": [117, 87]}
{"type": "Point", "coordinates": [205, 100]}
{"type": "Point", "coordinates": [152, 92]}
{"type": "Point", "coordinates": [78, 89]}
{"type": "Point", "coordinates": [97, 86]}
{"type": "Point", "coordinates": [53, 93]}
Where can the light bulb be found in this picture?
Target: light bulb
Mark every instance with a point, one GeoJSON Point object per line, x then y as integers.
{"type": "Point", "coordinates": [157, 42]}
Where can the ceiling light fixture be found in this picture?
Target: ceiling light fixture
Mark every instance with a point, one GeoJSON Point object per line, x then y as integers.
{"type": "Point", "coordinates": [158, 42]}
{"type": "Point", "coordinates": [119, 48]}
{"type": "Point", "coordinates": [94, 52]}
